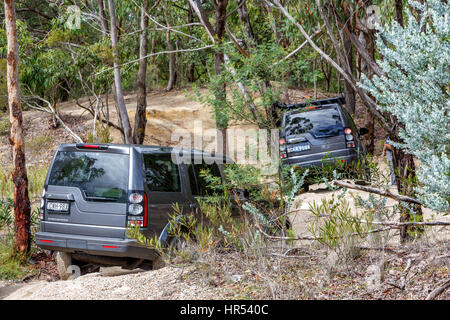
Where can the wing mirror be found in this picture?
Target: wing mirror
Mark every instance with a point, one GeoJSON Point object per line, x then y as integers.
{"type": "Point", "coordinates": [363, 131]}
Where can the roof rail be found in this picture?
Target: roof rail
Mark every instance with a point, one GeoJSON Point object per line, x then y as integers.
{"type": "Point", "coordinates": [339, 100]}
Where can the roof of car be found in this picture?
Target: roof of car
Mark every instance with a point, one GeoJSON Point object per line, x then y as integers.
{"type": "Point", "coordinates": [143, 148]}
{"type": "Point", "coordinates": [310, 108]}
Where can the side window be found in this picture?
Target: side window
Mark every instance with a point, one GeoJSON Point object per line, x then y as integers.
{"type": "Point", "coordinates": [161, 174]}
{"type": "Point", "coordinates": [201, 188]}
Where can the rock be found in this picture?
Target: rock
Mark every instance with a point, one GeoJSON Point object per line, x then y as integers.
{"type": "Point", "coordinates": [237, 277]}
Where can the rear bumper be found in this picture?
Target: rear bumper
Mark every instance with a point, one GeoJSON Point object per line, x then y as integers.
{"type": "Point", "coordinates": [322, 159]}
{"type": "Point", "coordinates": [99, 246]}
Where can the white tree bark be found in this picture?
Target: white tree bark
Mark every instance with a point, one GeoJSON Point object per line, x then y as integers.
{"type": "Point", "coordinates": [117, 78]}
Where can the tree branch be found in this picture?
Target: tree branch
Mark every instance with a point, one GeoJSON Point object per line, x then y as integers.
{"type": "Point", "coordinates": [385, 193]}
{"type": "Point", "coordinates": [433, 294]}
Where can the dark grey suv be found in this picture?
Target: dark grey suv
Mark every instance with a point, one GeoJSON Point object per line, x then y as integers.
{"type": "Point", "coordinates": [93, 192]}
{"type": "Point", "coordinates": [318, 133]}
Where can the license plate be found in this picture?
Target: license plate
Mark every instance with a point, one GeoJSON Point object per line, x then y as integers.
{"type": "Point", "coordinates": [58, 206]}
{"type": "Point", "coordinates": [299, 148]}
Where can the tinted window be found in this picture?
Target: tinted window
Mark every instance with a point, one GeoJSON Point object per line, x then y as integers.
{"type": "Point", "coordinates": [161, 174]}
{"type": "Point", "coordinates": [100, 176]}
{"type": "Point", "coordinates": [202, 183]}
{"type": "Point", "coordinates": [320, 123]}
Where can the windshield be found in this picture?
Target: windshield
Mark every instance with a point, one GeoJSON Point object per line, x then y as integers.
{"type": "Point", "coordinates": [100, 176]}
{"type": "Point", "coordinates": [320, 123]}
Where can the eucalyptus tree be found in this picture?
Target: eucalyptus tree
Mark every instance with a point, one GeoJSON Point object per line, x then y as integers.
{"type": "Point", "coordinates": [414, 89]}
{"type": "Point", "coordinates": [19, 175]}
{"type": "Point", "coordinates": [122, 109]}
{"type": "Point", "coordinates": [141, 114]}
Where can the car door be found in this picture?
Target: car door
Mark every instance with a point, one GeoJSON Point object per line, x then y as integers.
{"type": "Point", "coordinates": [164, 184]}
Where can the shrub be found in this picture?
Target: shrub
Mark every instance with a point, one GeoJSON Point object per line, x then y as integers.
{"type": "Point", "coordinates": [414, 89]}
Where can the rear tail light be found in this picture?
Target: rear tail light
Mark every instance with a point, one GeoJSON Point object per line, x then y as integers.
{"type": "Point", "coordinates": [282, 155]}
{"type": "Point", "coordinates": [282, 141]}
{"type": "Point", "coordinates": [135, 198]}
{"type": "Point", "coordinates": [137, 209]}
{"type": "Point", "coordinates": [47, 241]}
{"type": "Point", "coordinates": [349, 138]}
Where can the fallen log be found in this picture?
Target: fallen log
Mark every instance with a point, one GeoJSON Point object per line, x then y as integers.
{"type": "Point", "coordinates": [385, 193]}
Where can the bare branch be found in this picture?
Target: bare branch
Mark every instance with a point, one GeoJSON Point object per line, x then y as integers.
{"type": "Point", "coordinates": [436, 292]}
{"type": "Point", "coordinates": [52, 111]}
{"type": "Point", "coordinates": [156, 54]}
{"type": "Point", "coordinates": [300, 47]}
{"type": "Point", "coordinates": [385, 193]}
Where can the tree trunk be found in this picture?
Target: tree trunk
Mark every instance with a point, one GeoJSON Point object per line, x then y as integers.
{"type": "Point", "coordinates": [102, 16]}
{"type": "Point", "coordinates": [405, 170]}
{"type": "Point", "coordinates": [191, 72]}
{"type": "Point", "coordinates": [117, 78]}
{"type": "Point", "coordinates": [140, 119]}
{"type": "Point", "coordinates": [243, 15]}
{"type": "Point", "coordinates": [349, 93]}
{"type": "Point", "coordinates": [219, 60]}
{"type": "Point", "coordinates": [369, 39]}
{"type": "Point", "coordinates": [19, 176]}
{"type": "Point", "coordinates": [171, 82]}
{"type": "Point", "coordinates": [399, 11]}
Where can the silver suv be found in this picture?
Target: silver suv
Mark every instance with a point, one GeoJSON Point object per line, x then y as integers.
{"type": "Point", "coordinates": [93, 193]}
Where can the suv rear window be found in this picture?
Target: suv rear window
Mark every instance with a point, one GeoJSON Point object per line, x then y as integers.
{"type": "Point", "coordinates": [161, 173]}
{"type": "Point", "coordinates": [321, 123]}
{"type": "Point", "coordinates": [99, 176]}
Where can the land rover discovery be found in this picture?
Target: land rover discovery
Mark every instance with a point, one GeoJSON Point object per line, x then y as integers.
{"type": "Point", "coordinates": [93, 192]}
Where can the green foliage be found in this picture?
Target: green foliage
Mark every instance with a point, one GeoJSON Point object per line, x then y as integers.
{"type": "Point", "coordinates": [39, 143]}
{"type": "Point", "coordinates": [3, 89]}
{"type": "Point", "coordinates": [103, 134]}
{"type": "Point", "coordinates": [36, 179]}
{"type": "Point", "coordinates": [339, 224]}
{"type": "Point", "coordinates": [12, 265]}
{"type": "Point", "coordinates": [414, 89]}
{"type": "Point", "coordinates": [4, 125]}
{"type": "Point", "coordinates": [224, 222]}
{"type": "Point", "coordinates": [6, 215]}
